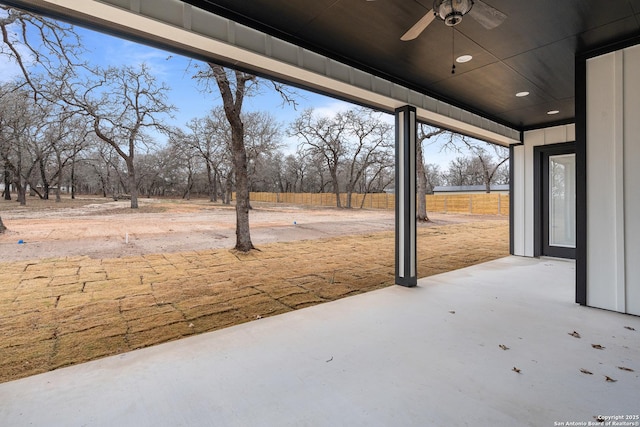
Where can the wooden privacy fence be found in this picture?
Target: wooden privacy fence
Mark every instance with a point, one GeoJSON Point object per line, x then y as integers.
{"type": "Point", "coordinates": [482, 204]}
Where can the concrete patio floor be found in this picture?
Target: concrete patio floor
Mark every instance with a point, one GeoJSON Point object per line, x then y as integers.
{"type": "Point", "coordinates": [427, 356]}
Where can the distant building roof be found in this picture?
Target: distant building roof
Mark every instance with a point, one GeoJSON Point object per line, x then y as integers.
{"type": "Point", "coordinates": [469, 188]}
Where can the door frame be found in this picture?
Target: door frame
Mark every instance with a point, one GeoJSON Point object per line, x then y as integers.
{"type": "Point", "coordinates": [541, 200]}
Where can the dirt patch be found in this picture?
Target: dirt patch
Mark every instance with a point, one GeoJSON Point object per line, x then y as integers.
{"type": "Point", "coordinates": [100, 228]}
{"type": "Point", "coordinates": [76, 291]}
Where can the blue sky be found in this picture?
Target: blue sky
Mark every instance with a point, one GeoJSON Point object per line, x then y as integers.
{"type": "Point", "coordinates": [190, 102]}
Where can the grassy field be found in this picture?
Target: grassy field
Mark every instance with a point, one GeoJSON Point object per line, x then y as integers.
{"type": "Point", "coordinates": [65, 310]}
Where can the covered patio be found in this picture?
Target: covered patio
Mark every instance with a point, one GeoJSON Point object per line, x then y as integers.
{"type": "Point", "coordinates": [492, 344]}
{"type": "Point", "coordinates": [429, 355]}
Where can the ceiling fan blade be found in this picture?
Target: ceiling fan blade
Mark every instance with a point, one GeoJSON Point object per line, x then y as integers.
{"type": "Point", "coordinates": [418, 27]}
{"type": "Point", "coordinates": [486, 15]}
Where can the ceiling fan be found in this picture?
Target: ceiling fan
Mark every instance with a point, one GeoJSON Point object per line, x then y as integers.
{"type": "Point", "coordinates": [452, 11]}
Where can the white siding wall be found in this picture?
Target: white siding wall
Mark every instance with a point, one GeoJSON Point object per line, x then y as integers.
{"type": "Point", "coordinates": [632, 178]}
{"type": "Point", "coordinates": [613, 177]}
{"type": "Point", "coordinates": [523, 214]}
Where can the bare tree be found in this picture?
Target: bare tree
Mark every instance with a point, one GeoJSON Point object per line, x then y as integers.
{"type": "Point", "coordinates": [234, 86]}
{"type": "Point", "coordinates": [63, 139]}
{"type": "Point", "coordinates": [378, 175]}
{"type": "Point", "coordinates": [103, 160]}
{"type": "Point", "coordinates": [370, 135]}
{"type": "Point", "coordinates": [38, 46]}
{"type": "Point", "coordinates": [470, 170]}
{"type": "Point", "coordinates": [292, 173]}
{"type": "Point", "coordinates": [325, 137]}
{"type": "Point", "coordinates": [490, 167]}
{"type": "Point", "coordinates": [207, 138]}
{"type": "Point", "coordinates": [353, 146]}
{"type": "Point", "coordinates": [210, 137]}
{"type": "Point", "coordinates": [296, 168]}
{"type": "Point", "coordinates": [262, 138]}
{"type": "Point", "coordinates": [486, 160]}
{"type": "Point", "coordinates": [28, 40]}
{"type": "Point", "coordinates": [158, 170]}
{"type": "Point", "coordinates": [6, 91]}
{"type": "Point", "coordinates": [463, 170]}
{"type": "Point", "coordinates": [122, 104]}
{"type": "Point", "coordinates": [425, 133]}
{"type": "Point", "coordinates": [66, 149]}
{"type": "Point", "coordinates": [24, 138]}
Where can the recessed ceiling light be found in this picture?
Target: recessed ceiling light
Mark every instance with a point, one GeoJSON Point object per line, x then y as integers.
{"type": "Point", "coordinates": [552, 112]}
{"type": "Point", "coordinates": [464, 58]}
{"type": "Point", "coordinates": [521, 94]}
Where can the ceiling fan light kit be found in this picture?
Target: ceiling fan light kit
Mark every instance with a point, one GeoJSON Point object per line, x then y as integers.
{"type": "Point", "coordinates": [452, 11]}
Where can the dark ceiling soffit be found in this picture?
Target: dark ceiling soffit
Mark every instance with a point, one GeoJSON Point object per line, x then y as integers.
{"type": "Point", "coordinates": [256, 25]}
{"type": "Point", "coordinates": [581, 57]}
{"type": "Point", "coordinates": [609, 47]}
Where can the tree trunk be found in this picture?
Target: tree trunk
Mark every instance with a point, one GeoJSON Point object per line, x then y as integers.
{"type": "Point", "coordinates": [228, 189]}
{"type": "Point", "coordinates": [21, 191]}
{"type": "Point", "coordinates": [133, 188]}
{"type": "Point", "coordinates": [216, 180]}
{"type": "Point", "coordinates": [103, 184]}
{"type": "Point", "coordinates": [243, 236]}
{"type": "Point", "coordinates": [187, 194]}
{"type": "Point", "coordinates": [364, 196]}
{"type": "Point", "coordinates": [211, 182]}
{"type": "Point", "coordinates": [73, 178]}
{"type": "Point", "coordinates": [45, 181]}
{"type": "Point", "coordinates": [7, 184]}
{"type": "Point", "coordinates": [233, 110]}
{"type": "Point", "coordinates": [22, 195]}
{"type": "Point", "coordinates": [336, 188]}
{"type": "Point", "coordinates": [2, 227]}
{"type": "Point", "coordinates": [488, 177]}
{"type": "Point", "coordinates": [422, 185]}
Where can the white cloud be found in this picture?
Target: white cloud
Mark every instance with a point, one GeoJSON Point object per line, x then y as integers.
{"type": "Point", "coordinates": [116, 52]}
{"type": "Point", "coordinates": [9, 70]}
{"type": "Point", "coordinates": [332, 108]}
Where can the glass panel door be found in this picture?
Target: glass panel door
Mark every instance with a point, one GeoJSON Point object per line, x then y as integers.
{"type": "Point", "coordinates": [562, 200]}
{"type": "Point", "coordinates": [555, 200]}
